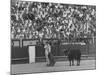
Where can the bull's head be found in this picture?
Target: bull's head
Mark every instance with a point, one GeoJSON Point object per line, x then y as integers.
{"type": "Point", "coordinates": [66, 52]}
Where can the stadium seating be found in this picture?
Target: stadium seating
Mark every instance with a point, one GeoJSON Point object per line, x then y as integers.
{"type": "Point", "coordinates": [31, 20]}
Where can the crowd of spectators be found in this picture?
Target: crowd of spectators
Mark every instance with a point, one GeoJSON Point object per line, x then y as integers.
{"type": "Point", "coordinates": [31, 20]}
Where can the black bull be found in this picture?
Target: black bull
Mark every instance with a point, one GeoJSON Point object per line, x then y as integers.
{"type": "Point", "coordinates": [73, 54]}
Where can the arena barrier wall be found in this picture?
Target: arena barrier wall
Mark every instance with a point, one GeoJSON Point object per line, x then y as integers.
{"type": "Point", "coordinates": [20, 54]}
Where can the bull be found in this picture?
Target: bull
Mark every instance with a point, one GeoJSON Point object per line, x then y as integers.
{"type": "Point", "coordinates": [73, 54]}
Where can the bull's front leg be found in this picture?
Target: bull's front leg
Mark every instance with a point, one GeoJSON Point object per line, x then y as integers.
{"type": "Point", "coordinates": [73, 62]}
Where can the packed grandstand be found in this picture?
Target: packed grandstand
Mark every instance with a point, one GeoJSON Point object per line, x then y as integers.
{"type": "Point", "coordinates": [31, 20]}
